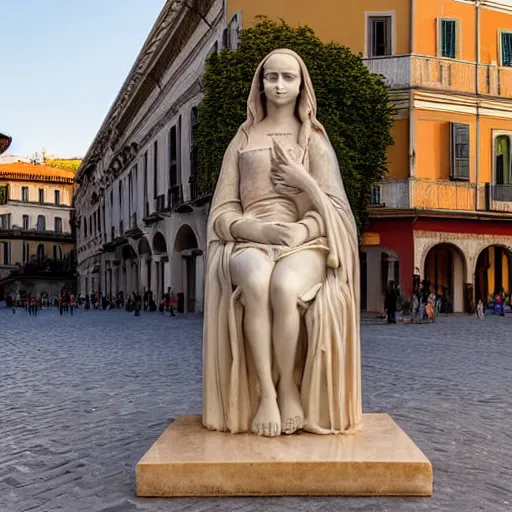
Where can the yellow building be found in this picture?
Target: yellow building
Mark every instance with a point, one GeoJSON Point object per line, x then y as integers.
{"type": "Point", "coordinates": [35, 228]}
{"type": "Point", "coordinates": [444, 212]}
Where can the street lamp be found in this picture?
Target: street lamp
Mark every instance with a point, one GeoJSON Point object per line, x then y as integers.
{"type": "Point", "coordinates": [178, 4]}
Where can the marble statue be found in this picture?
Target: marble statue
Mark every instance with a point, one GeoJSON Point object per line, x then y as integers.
{"type": "Point", "coordinates": [281, 331]}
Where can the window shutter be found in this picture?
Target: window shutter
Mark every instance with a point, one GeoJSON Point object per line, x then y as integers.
{"type": "Point", "coordinates": [448, 38]}
{"type": "Point", "coordinates": [506, 48]}
{"type": "Point", "coordinates": [459, 151]}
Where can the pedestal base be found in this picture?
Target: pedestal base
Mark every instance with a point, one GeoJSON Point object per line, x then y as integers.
{"type": "Point", "coordinates": [189, 460]}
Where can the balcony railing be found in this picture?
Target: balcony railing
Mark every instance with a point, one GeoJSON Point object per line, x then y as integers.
{"type": "Point", "coordinates": [443, 195]}
{"type": "Point", "coordinates": [404, 71]}
{"type": "Point", "coordinates": [501, 193]}
{"type": "Point", "coordinates": [427, 194]}
{"type": "Point", "coordinates": [34, 234]}
{"type": "Point", "coordinates": [175, 196]}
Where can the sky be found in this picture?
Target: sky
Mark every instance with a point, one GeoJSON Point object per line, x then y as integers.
{"type": "Point", "coordinates": [62, 64]}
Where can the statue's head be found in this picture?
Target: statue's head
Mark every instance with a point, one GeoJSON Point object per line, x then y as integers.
{"type": "Point", "coordinates": [281, 79]}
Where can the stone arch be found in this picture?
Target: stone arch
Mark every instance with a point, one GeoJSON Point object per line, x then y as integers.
{"type": "Point", "coordinates": [445, 268]}
{"type": "Point", "coordinates": [128, 253]}
{"type": "Point", "coordinates": [143, 246]}
{"type": "Point", "coordinates": [159, 243]}
{"type": "Point", "coordinates": [185, 239]}
{"type": "Point", "coordinates": [186, 269]}
{"type": "Point", "coordinates": [492, 270]}
{"type": "Point", "coordinates": [40, 253]}
{"type": "Point", "coordinates": [422, 256]}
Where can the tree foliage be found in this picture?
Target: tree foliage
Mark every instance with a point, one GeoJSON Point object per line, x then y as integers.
{"type": "Point", "coordinates": [353, 105]}
{"type": "Point", "coordinates": [68, 164]}
{"type": "Point", "coordinates": [71, 164]}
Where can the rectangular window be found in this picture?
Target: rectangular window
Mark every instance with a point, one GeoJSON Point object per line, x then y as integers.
{"type": "Point", "coordinates": [26, 221]}
{"type": "Point", "coordinates": [506, 49]}
{"type": "Point", "coordinates": [146, 203]}
{"type": "Point", "coordinates": [459, 151]}
{"type": "Point", "coordinates": [155, 168]}
{"type": "Point", "coordinates": [173, 157]}
{"type": "Point", "coordinates": [448, 38]}
{"type": "Point", "coordinates": [58, 225]}
{"type": "Point", "coordinates": [6, 253]}
{"type": "Point", "coordinates": [376, 196]}
{"type": "Point", "coordinates": [380, 33]}
{"type": "Point", "coordinates": [57, 197]}
{"type": "Point", "coordinates": [5, 221]}
{"type": "Point", "coordinates": [41, 195]}
{"type": "Point", "coordinates": [24, 194]}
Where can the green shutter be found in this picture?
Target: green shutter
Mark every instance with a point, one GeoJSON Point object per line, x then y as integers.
{"type": "Point", "coordinates": [448, 38]}
{"type": "Point", "coordinates": [506, 48]}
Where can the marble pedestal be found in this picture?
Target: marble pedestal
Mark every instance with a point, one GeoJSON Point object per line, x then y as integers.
{"type": "Point", "coordinates": [189, 460]}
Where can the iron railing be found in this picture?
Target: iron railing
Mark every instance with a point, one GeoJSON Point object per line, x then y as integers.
{"type": "Point", "coordinates": [501, 192]}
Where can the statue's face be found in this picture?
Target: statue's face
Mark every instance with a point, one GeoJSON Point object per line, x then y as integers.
{"type": "Point", "coordinates": [281, 79]}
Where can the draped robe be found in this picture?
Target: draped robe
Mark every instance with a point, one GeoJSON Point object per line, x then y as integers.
{"type": "Point", "coordinates": [328, 366]}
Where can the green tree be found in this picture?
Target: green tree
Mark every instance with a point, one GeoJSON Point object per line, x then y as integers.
{"type": "Point", "coordinates": [353, 105]}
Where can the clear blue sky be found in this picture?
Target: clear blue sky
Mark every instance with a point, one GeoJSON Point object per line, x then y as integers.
{"type": "Point", "coordinates": [62, 63]}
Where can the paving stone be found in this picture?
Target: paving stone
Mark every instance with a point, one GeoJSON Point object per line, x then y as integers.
{"type": "Point", "coordinates": [84, 397]}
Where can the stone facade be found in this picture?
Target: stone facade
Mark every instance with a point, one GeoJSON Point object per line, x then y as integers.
{"type": "Point", "coordinates": [35, 217]}
{"type": "Point", "coordinates": [140, 223]}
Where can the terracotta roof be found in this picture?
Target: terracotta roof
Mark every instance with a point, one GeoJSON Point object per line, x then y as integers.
{"type": "Point", "coordinates": [24, 171]}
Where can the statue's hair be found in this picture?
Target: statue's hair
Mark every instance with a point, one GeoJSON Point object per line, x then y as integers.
{"type": "Point", "coordinates": [306, 104]}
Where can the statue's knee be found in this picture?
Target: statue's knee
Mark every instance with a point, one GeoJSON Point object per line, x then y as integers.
{"type": "Point", "coordinates": [255, 288]}
{"type": "Point", "coordinates": [283, 291]}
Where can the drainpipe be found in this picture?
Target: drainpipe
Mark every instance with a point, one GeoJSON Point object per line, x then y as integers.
{"type": "Point", "coordinates": [477, 93]}
{"type": "Point", "coordinates": [412, 127]}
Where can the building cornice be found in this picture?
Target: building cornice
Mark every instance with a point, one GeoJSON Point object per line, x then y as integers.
{"type": "Point", "coordinates": [386, 213]}
{"type": "Point", "coordinates": [169, 36]}
{"type": "Point", "coordinates": [164, 24]}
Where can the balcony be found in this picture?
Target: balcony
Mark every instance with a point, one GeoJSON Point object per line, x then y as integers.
{"type": "Point", "coordinates": [405, 71]}
{"type": "Point", "coordinates": [497, 198]}
{"type": "Point", "coordinates": [426, 195]}
{"type": "Point", "coordinates": [175, 197]}
{"type": "Point", "coordinates": [443, 195]}
{"type": "Point", "coordinates": [134, 232]}
{"type": "Point", "coordinates": [35, 234]}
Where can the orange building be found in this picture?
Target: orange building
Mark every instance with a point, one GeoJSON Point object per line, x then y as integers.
{"type": "Point", "coordinates": [444, 212]}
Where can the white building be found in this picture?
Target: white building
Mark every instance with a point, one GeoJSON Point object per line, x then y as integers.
{"type": "Point", "coordinates": [140, 224]}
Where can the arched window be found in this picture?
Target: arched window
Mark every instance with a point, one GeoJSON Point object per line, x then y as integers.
{"type": "Point", "coordinates": [57, 252]}
{"type": "Point", "coordinates": [40, 253]}
{"type": "Point", "coordinates": [58, 225]}
{"type": "Point", "coordinates": [41, 223]}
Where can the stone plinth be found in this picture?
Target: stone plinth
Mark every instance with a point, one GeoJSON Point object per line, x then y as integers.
{"type": "Point", "coordinates": [189, 460]}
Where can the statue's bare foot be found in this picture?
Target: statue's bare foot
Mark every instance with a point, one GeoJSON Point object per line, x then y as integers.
{"type": "Point", "coordinates": [292, 414]}
{"type": "Point", "coordinates": [267, 421]}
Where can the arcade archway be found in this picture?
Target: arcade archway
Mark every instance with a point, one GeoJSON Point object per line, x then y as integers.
{"type": "Point", "coordinates": [493, 272]}
{"type": "Point", "coordinates": [161, 258]}
{"type": "Point", "coordinates": [145, 262]}
{"type": "Point", "coordinates": [185, 253]}
{"type": "Point", "coordinates": [445, 269]}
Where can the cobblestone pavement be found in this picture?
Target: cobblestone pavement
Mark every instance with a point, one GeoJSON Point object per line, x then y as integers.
{"type": "Point", "coordinates": [82, 398]}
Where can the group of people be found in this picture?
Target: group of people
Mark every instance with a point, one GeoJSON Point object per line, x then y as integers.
{"type": "Point", "coordinates": [496, 304]}
{"type": "Point", "coordinates": [426, 303]}
{"type": "Point", "coordinates": [134, 303]}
